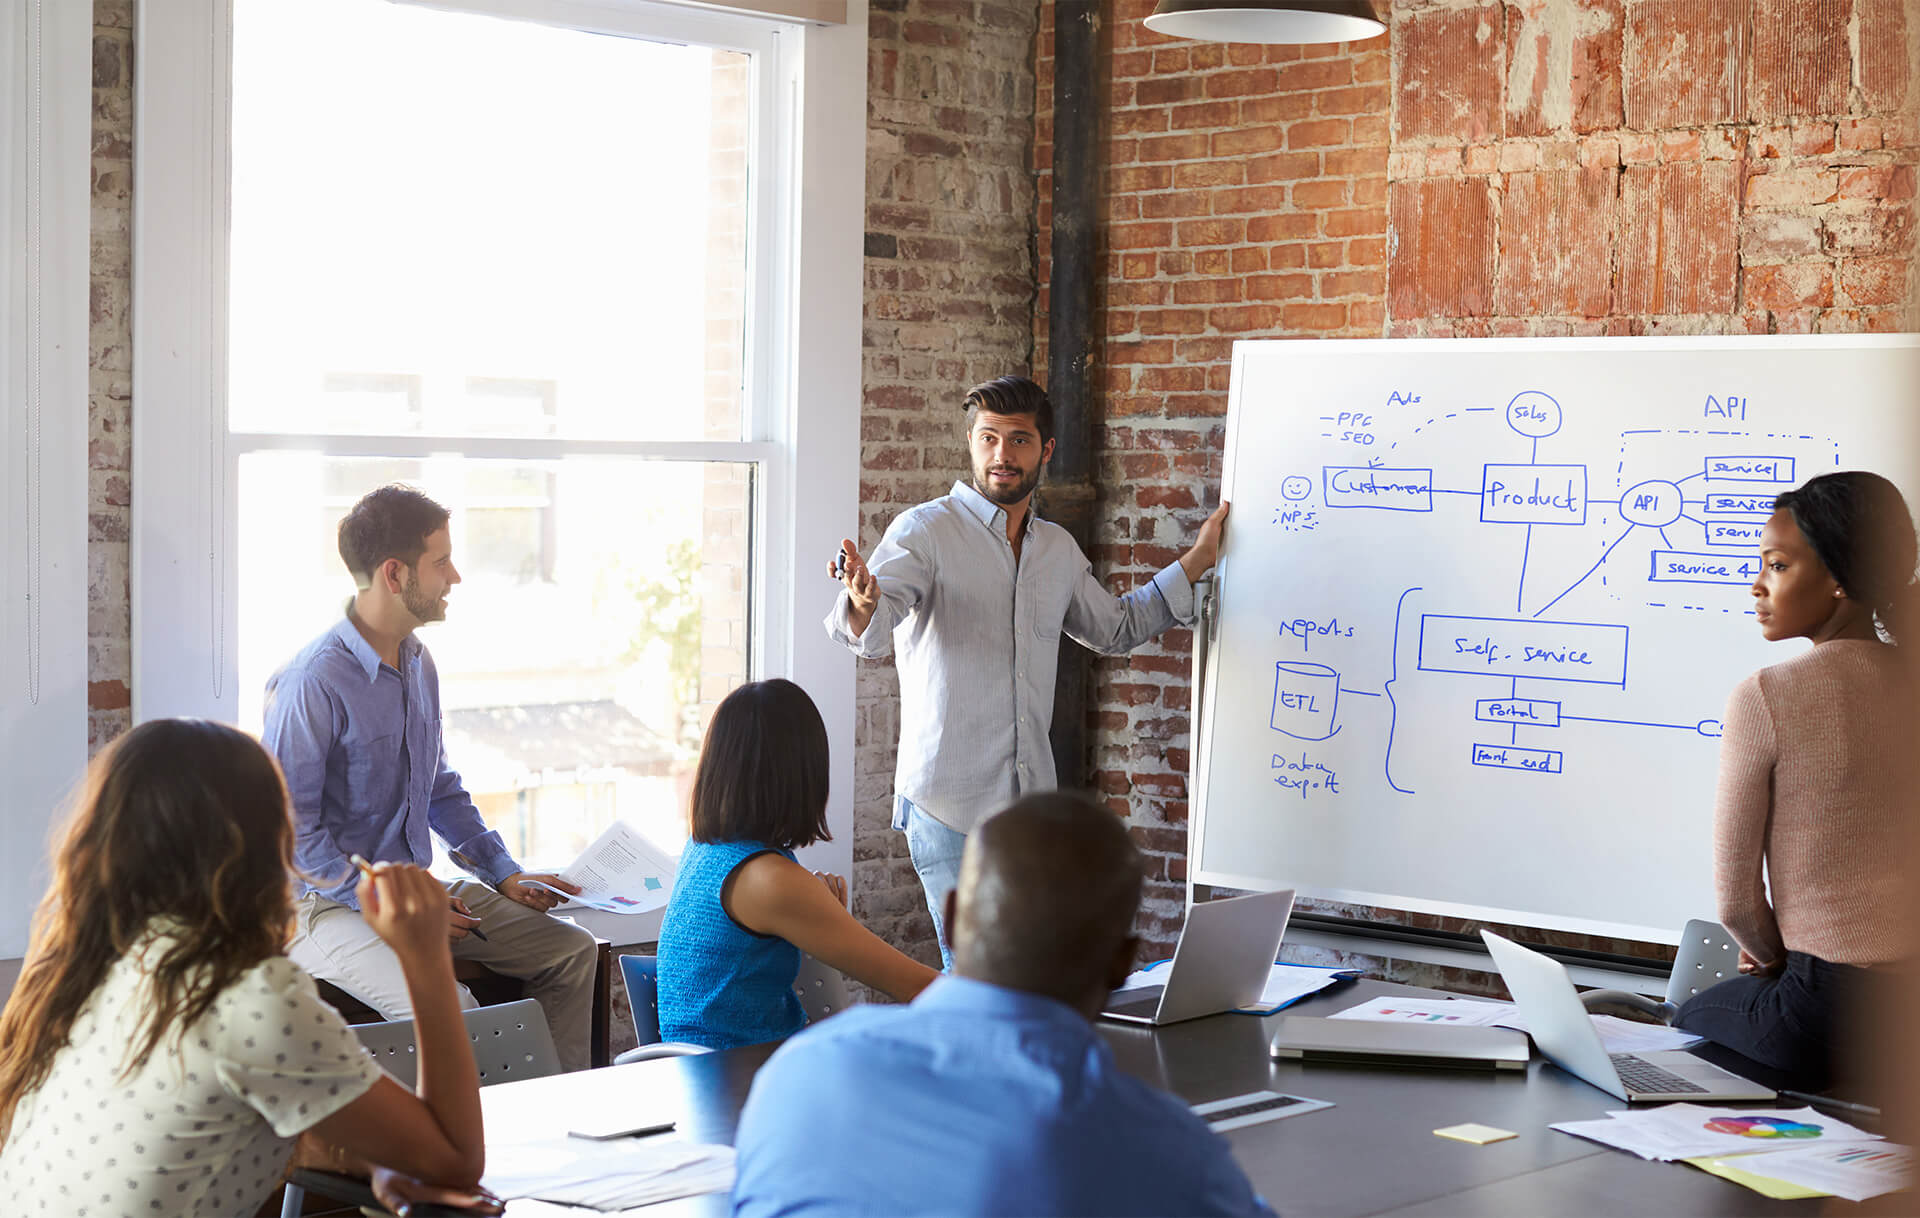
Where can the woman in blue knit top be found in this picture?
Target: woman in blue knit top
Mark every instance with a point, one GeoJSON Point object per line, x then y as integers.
{"type": "Point", "coordinates": [743, 909]}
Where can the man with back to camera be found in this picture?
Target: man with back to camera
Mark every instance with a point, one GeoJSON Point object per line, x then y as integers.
{"type": "Point", "coordinates": [992, 1093]}
{"type": "Point", "coordinates": [974, 591]}
{"type": "Point", "coordinates": [354, 721]}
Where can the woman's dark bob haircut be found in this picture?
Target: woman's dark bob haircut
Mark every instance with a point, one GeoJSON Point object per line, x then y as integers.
{"type": "Point", "coordinates": [763, 769]}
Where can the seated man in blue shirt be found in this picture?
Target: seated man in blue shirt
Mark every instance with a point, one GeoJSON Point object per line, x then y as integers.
{"type": "Point", "coordinates": [354, 721]}
{"type": "Point", "coordinates": [992, 1093]}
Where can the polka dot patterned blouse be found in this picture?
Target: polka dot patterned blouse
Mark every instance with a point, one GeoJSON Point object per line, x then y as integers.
{"type": "Point", "coordinates": [204, 1126]}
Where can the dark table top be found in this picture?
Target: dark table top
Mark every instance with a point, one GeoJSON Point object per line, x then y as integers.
{"type": "Point", "coordinates": [1374, 1152]}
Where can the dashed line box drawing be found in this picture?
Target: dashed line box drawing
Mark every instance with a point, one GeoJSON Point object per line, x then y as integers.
{"type": "Point", "coordinates": [1483, 601]}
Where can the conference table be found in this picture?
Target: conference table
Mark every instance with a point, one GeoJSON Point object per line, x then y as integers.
{"type": "Point", "coordinates": [1373, 1153]}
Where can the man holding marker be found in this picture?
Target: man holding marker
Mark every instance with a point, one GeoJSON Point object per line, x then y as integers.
{"type": "Point", "coordinates": [974, 591]}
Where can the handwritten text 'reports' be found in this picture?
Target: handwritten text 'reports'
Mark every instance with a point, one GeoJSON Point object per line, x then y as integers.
{"type": "Point", "coordinates": [1305, 629]}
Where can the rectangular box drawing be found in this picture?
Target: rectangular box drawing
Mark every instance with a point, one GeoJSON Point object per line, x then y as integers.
{"type": "Point", "coordinates": [1509, 757]}
{"type": "Point", "coordinates": [1742, 533]}
{"type": "Point", "coordinates": [1740, 505]}
{"type": "Point", "coordinates": [1524, 712]}
{"type": "Point", "coordinates": [1680, 567]}
{"type": "Point", "coordinates": [1584, 653]}
{"type": "Point", "coordinates": [1533, 494]}
{"type": "Point", "coordinates": [1386, 490]}
{"type": "Point", "coordinates": [1750, 469]}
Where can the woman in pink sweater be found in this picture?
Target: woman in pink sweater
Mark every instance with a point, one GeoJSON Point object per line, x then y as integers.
{"type": "Point", "coordinates": [1816, 783]}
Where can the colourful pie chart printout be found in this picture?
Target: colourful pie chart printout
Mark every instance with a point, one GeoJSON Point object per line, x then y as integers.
{"type": "Point", "coordinates": [1763, 1127]}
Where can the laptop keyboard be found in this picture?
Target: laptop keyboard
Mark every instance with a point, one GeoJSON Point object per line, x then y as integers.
{"type": "Point", "coordinates": [1639, 1074]}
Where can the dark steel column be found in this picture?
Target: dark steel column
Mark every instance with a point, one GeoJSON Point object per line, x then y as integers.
{"type": "Point", "coordinates": [1072, 489]}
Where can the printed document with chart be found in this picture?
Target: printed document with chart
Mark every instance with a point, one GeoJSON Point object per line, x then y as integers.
{"type": "Point", "coordinates": [622, 872]}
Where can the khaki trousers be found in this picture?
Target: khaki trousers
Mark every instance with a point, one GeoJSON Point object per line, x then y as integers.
{"type": "Point", "coordinates": [555, 958]}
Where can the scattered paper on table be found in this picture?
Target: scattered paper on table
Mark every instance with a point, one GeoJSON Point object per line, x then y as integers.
{"type": "Point", "coordinates": [1687, 1131]}
{"type": "Point", "coordinates": [1734, 1168]}
{"type": "Point", "coordinates": [621, 872]}
{"type": "Point", "coordinates": [1616, 1034]}
{"type": "Point", "coordinates": [1855, 1172]}
{"type": "Point", "coordinates": [608, 1175]}
{"type": "Point", "coordinates": [1465, 1012]}
{"type": "Point", "coordinates": [1286, 984]}
{"type": "Point", "coordinates": [1479, 1135]}
{"type": "Point", "coordinates": [1289, 983]}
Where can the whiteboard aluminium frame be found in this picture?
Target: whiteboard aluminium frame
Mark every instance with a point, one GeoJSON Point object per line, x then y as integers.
{"type": "Point", "coordinates": [1442, 951]}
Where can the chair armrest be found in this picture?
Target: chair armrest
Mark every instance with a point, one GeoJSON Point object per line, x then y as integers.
{"type": "Point", "coordinates": [659, 1048]}
{"type": "Point", "coordinates": [1601, 1002]}
{"type": "Point", "coordinates": [352, 1190]}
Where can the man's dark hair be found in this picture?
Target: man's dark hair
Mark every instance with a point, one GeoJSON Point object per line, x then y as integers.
{"type": "Point", "coordinates": [390, 522]}
{"type": "Point", "coordinates": [1012, 395]}
{"type": "Point", "coordinates": [1048, 890]}
{"type": "Point", "coordinates": [763, 769]}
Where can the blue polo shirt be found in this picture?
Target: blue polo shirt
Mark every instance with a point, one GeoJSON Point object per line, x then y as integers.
{"type": "Point", "coordinates": [359, 742]}
{"type": "Point", "coordinates": [973, 1100]}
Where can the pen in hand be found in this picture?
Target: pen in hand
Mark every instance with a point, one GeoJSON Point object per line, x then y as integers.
{"type": "Point", "coordinates": [366, 869]}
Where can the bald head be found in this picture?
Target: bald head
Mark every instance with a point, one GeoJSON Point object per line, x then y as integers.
{"type": "Point", "coordinates": [1048, 890]}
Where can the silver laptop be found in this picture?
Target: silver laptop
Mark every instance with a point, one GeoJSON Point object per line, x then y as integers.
{"type": "Point", "coordinates": [1222, 961]}
{"type": "Point", "coordinates": [1565, 1033]}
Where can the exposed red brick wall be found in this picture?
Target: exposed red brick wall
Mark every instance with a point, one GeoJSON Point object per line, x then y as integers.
{"type": "Point", "coordinates": [949, 303]}
{"type": "Point", "coordinates": [110, 378]}
{"type": "Point", "coordinates": [1537, 167]}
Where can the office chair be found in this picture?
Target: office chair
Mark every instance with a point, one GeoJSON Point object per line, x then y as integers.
{"type": "Point", "coordinates": [510, 1042]}
{"type": "Point", "coordinates": [642, 975]}
{"type": "Point", "coordinates": [1707, 956]}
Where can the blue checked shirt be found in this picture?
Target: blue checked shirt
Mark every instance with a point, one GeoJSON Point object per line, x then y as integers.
{"type": "Point", "coordinates": [359, 742]}
{"type": "Point", "coordinates": [977, 638]}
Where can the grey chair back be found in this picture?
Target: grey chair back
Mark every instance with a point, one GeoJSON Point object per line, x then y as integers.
{"type": "Point", "coordinates": [822, 990]}
{"type": "Point", "coordinates": [511, 1041]}
{"type": "Point", "coordinates": [1708, 955]}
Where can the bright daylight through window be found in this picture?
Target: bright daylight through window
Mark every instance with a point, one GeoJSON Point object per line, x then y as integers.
{"type": "Point", "coordinates": [456, 262]}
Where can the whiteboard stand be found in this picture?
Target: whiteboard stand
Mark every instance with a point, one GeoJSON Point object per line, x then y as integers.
{"type": "Point", "coordinates": [1203, 593]}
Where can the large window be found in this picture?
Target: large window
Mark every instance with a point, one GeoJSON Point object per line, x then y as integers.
{"type": "Point", "coordinates": [540, 261]}
{"type": "Point", "coordinates": [494, 238]}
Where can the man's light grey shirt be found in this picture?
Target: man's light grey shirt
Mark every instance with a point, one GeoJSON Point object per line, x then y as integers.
{"type": "Point", "coordinates": [976, 641]}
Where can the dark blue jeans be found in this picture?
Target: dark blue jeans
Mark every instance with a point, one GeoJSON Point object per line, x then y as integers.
{"type": "Point", "coordinates": [1801, 1022]}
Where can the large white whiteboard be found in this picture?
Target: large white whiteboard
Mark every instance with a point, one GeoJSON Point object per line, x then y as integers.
{"type": "Point", "coordinates": [1482, 601]}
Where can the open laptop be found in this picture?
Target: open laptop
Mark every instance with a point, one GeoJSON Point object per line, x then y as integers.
{"type": "Point", "coordinates": [1222, 961]}
{"type": "Point", "coordinates": [1565, 1033]}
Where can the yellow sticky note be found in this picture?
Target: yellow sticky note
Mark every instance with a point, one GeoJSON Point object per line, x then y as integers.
{"type": "Point", "coordinates": [1479, 1135]}
{"type": "Point", "coordinates": [1728, 1169]}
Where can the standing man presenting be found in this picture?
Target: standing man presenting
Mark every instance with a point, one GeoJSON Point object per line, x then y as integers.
{"type": "Point", "coordinates": [354, 721]}
{"type": "Point", "coordinates": [974, 592]}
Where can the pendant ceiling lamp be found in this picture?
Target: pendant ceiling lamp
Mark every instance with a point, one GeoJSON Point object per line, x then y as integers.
{"type": "Point", "coordinates": [1296, 21]}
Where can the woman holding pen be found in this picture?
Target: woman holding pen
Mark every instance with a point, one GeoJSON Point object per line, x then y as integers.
{"type": "Point", "coordinates": [162, 1054]}
{"type": "Point", "coordinates": [743, 909]}
{"type": "Point", "coordinates": [1815, 804]}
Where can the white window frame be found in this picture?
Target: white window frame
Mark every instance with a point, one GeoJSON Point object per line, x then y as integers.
{"type": "Point", "coordinates": [801, 402]}
{"type": "Point", "coordinates": [46, 115]}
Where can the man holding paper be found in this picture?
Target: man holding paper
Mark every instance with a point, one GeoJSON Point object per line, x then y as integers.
{"type": "Point", "coordinates": [354, 721]}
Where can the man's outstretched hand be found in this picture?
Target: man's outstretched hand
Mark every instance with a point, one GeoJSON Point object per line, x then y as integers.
{"type": "Point", "coordinates": [863, 590]}
{"type": "Point", "coordinates": [1199, 560]}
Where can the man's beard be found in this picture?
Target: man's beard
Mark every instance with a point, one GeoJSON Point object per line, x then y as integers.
{"type": "Point", "coordinates": [1006, 496]}
{"type": "Point", "coordinates": [423, 607]}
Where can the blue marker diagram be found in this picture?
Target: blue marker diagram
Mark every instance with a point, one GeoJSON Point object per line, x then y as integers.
{"type": "Point", "coordinates": [1671, 523]}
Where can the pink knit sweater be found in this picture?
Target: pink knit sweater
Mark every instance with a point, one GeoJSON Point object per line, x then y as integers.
{"type": "Point", "coordinates": [1816, 782]}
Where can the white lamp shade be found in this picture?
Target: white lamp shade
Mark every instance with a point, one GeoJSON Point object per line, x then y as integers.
{"type": "Point", "coordinates": [1300, 21]}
